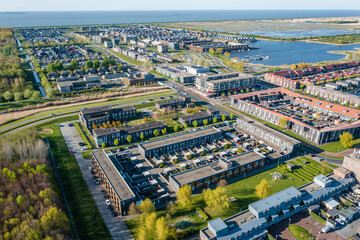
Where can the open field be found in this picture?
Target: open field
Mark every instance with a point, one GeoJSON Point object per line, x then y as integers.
{"type": "Point", "coordinates": [62, 109]}
{"type": "Point", "coordinates": [243, 191]}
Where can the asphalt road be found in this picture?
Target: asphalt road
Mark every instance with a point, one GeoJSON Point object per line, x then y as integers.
{"type": "Point", "coordinates": [116, 225]}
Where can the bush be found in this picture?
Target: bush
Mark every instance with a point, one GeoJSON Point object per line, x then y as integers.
{"type": "Point", "coordinates": [202, 214]}
{"type": "Point", "coordinates": [189, 156]}
{"type": "Point", "coordinates": [202, 153]}
{"type": "Point", "coordinates": [161, 165]}
{"type": "Point", "coordinates": [176, 161]}
{"type": "Point", "coordinates": [215, 149]}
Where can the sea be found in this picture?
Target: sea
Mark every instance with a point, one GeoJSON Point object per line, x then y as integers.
{"type": "Point", "coordinates": [60, 18]}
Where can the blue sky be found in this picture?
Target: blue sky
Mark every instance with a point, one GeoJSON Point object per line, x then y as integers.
{"type": "Point", "coordinates": [75, 5]}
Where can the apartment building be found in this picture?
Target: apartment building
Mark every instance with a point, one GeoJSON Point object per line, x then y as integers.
{"type": "Point", "coordinates": [208, 115]}
{"type": "Point", "coordinates": [252, 223]}
{"type": "Point", "coordinates": [215, 85]}
{"type": "Point", "coordinates": [103, 114]}
{"type": "Point", "coordinates": [207, 175]}
{"type": "Point", "coordinates": [108, 135]}
{"type": "Point", "coordinates": [173, 72]}
{"type": "Point", "coordinates": [171, 144]}
{"type": "Point", "coordinates": [313, 119]}
{"type": "Point", "coordinates": [181, 102]}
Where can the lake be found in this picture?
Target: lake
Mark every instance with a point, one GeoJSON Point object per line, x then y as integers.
{"type": "Point", "coordinates": [294, 52]}
{"type": "Point", "coordinates": [28, 19]}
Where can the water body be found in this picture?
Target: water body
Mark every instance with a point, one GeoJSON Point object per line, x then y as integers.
{"type": "Point", "coordinates": [294, 52]}
{"type": "Point", "coordinates": [29, 19]}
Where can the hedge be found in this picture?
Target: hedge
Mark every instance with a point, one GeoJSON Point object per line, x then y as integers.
{"type": "Point", "coordinates": [202, 214]}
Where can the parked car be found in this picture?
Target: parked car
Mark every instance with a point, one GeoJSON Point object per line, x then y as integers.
{"type": "Point", "coordinates": [326, 229]}
{"type": "Point", "coordinates": [71, 124]}
{"type": "Point", "coordinates": [81, 144]}
{"type": "Point", "coordinates": [84, 149]}
{"type": "Point", "coordinates": [96, 181]}
{"type": "Point", "coordinates": [107, 201]}
{"type": "Point", "coordinates": [340, 221]}
{"type": "Point", "coordinates": [71, 152]}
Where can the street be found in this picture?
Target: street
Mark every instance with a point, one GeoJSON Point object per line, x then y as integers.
{"type": "Point", "coordinates": [116, 225]}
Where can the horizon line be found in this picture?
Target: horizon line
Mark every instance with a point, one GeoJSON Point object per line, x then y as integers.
{"type": "Point", "coordinates": [133, 10]}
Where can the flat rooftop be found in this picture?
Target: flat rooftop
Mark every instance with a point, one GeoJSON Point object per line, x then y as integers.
{"type": "Point", "coordinates": [275, 199]}
{"type": "Point", "coordinates": [208, 170]}
{"type": "Point", "coordinates": [268, 130]}
{"type": "Point", "coordinates": [105, 108]}
{"type": "Point", "coordinates": [179, 138]}
{"type": "Point", "coordinates": [111, 172]}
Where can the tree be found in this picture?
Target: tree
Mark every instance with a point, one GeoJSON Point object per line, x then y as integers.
{"type": "Point", "coordinates": [150, 224]}
{"type": "Point", "coordinates": [116, 142]}
{"type": "Point", "coordinates": [185, 125]}
{"type": "Point", "coordinates": [219, 51]}
{"type": "Point", "coordinates": [162, 230]}
{"type": "Point", "coordinates": [211, 51]}
{"type": "Point", "coordinates": [133, 209]}
{"type": "Point", "coordinates": [174, 233]}
{"type": "Point", "coordinates": [176, 128]}
{"type": "Point", "coordinates": [231, 116]}
{"type": "Point", "coordinates": [36, 95]}
{"type": "Point", "coordinates": [147, 206]}
{"type": "Point", "coordinates": [217, 201]}
{"type": "Point", "coordinates": [74, 65]}
{"type": "Point", "coordinates": [171, 208]}
{"type": "Point", "coordinates": [28, 93]}
{"type": "Point", "coordinates": [103, 145]}
{"type": "Point", "coordinates": [283, 122]}
{"type": "Point", "coordinates": [94, 126]}
{"type": "Point", "coordinates": [18, 96]}
{"type": "Point", "coordinates": [240, 67]}
{"type": "Point", "coordinates": [205, 122]}
{"type": "Point", "coordinates": [214, 120]}
{"type": "Point", "coordinates": [247, 90]}
{"type": "Point", "coordinates": [142, 233]}
{"type": "Point", "coordinates": [223, 117]}
{"type": "Point", "coordinates": [346, 139]}
{"type": "Point", "coordinates": [195, 123]}
{"type": "Point", "coordinates": [54, 220]}
{"type": "Point", "coordinates": [227, 54]}
{"type": "Point", "coordinates": [262, 189]}
{"type": "Point", "coordinates": [8, 95]}
{"type": "Point", "coordinates": [183, 196]}
{"type": "Point", "coordinates": [96, 64]}
{"type": "Point", "coordinates": [293, 66]}
{"type": "Point", "coordinates": [142, 136]}
{"type": "Point", "coordinates": [164, 131]}
{"type": "Point", "coordinates": [156, 133]}
{"type": "Point", "coordinates": [89, 64]}
{"type": "Point", "coordinates": [19, 200]}
{"type": "Point", "coordinates": [129, 138]}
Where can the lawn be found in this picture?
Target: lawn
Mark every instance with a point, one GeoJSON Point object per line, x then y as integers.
{"type": "Point", "coordinates": [243, 191]}
{"type": "Point", "coordinates": [299, 232]}
{"type": "Point", "coordinates": [88, 221]}
{"type": "Point", "coordinates": [336, 147]}
{"type": "Point", "coordinates": [82, 135]}
{"type": "Point", "coordinates": [310, 170]}
{"type": "Point", "coordinates": [76, 108]}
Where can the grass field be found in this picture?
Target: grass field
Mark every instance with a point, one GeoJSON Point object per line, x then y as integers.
{"type": "Point", "coordinates": [299, 232]}
{"type": "Point", "coordinates": [335, 147]}
{"type": "Point", "coordinates": [88, 221]}
{"type": "Point", "coordinates": [243, 191]}
{"type": "Point", "coordinates": [75, 108]}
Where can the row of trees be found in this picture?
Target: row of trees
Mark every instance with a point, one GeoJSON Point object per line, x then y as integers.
{"type": "Point", "coordinates": [299, 66]}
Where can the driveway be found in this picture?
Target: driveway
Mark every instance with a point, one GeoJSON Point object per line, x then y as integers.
{"type": "Point", "coordinates": [350, 229]}
{"type": "Point", "coordinates": [116, 225]}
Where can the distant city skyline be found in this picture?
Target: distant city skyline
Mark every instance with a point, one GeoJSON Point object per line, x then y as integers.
{"type": "Point", "coordinates": [92, 5]}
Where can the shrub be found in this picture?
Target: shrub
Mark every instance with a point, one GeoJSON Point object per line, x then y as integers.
{"type": "Point", "coordinates": [202, 214]}
{"type": "Point", "coordinates": [161, 165]}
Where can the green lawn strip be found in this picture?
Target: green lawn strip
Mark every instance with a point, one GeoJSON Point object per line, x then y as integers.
{"type": "Point", "coordinates": [76, 108]}
{"type": "Point", "coordinates": [127, 59]}
{"type": "Point", "coordinates": [336, 147]}
{"type": "Point", "coordinates": [243, 191]}
{"type": "Point", "coordinates": [338, 158]}
{"type": "Point", "coordinates": [333, 166]}
{"type": "Point", "coordinates": [288, 132]}
{"type": "Point", "coordinates": [317, 218]}
{"type": "Point", "coordinates": [327, 170]}
{"type": "Point", "coordinates": [15, 105]}
{"type": "Point", "coordinates": [82, 135]}
{"type": "Point", "coordinates": [299, 232]}
{"type": "Point", "coordinates": [88, 219]}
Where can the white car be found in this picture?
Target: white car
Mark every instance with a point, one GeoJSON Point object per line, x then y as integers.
{"type": "Point", "coordinates": [107, 201]}
{"type": "Point", "coordinates": [339, 221]}
{"type": "Point", "coordinates": [84, 149]}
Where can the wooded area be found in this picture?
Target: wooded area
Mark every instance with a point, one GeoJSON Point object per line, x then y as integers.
{"type": "Point", "coordinates": [29, 206]}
